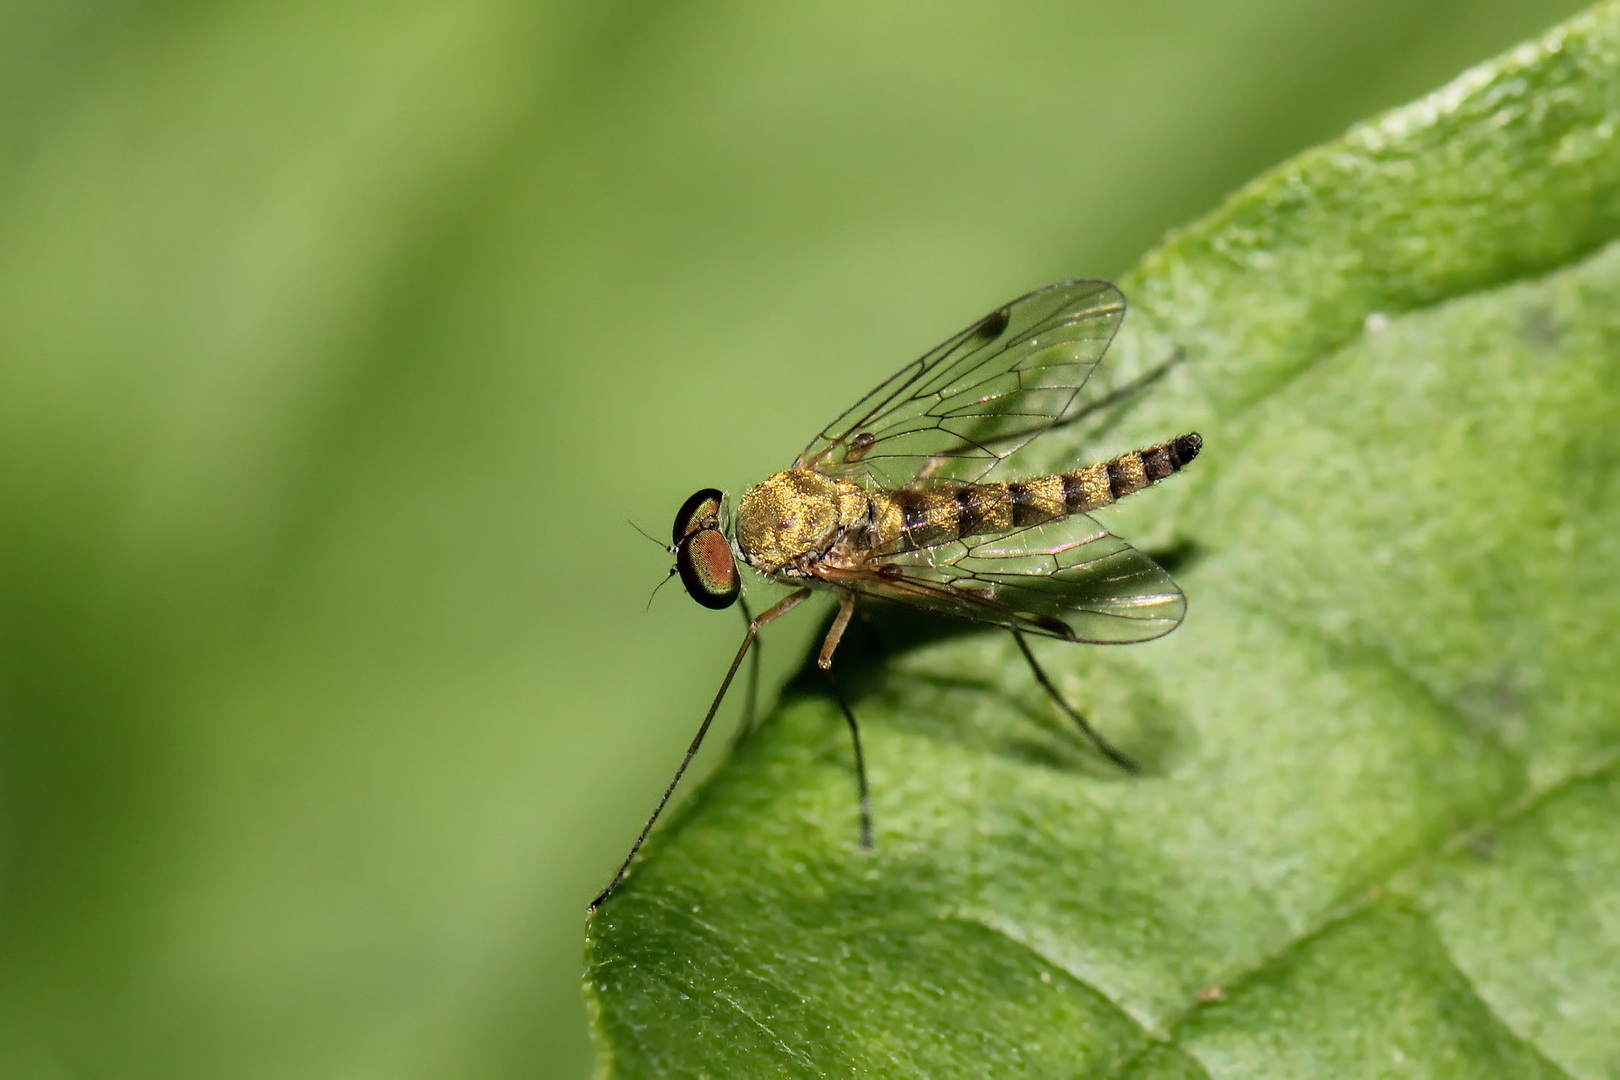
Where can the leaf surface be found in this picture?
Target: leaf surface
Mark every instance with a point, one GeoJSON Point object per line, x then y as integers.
{"type": "Point", "coordinates": [1375, 834]}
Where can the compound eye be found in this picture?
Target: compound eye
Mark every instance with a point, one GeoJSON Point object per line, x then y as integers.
{"type": "Point", "coordinates": [707, 568]}
{"type": "Point", "coordinates": [701, 511]}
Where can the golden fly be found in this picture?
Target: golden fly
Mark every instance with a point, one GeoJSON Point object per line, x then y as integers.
{"type": "Point", "coordinates": [896, 501]}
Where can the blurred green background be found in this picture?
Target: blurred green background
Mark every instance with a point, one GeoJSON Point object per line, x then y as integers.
{"type": "Point", "coordinates": [339, 341]}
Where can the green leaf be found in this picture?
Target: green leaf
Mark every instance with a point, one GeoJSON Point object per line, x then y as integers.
{"type": "Point", "coordinates": [1375, 834]}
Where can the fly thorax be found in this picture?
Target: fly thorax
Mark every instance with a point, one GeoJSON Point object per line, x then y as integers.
{"type": "Point", "coordinates": [794, 515]}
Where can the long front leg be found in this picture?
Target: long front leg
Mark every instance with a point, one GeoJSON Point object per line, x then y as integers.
{"type": "Point", "coordinates": [781, 607]}
{"type": "Point", "coordinates": [751, 696]}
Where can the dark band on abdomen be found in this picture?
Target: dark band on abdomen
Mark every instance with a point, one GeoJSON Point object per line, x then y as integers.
{"type": "Point", "coordinates": [925, 516]}
{"type": "Point", "coordinates": [1024, 510]}
{"type": "Point", "coordinates": [969, 518]}
{"type": "Point", "coordinates": [914, 506]}
{"type": "Point", "coordinates": [1157, 462]}
{"type": "Point", "coordinates": [1118, 483]}
{"type": "Point", "coordinates": [1074, 494]}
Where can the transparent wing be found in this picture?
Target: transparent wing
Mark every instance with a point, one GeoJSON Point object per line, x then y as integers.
{"type": "Point", "coordinates": [978, 397]}
{"type": "Point", "coordinates": [1069, 579]}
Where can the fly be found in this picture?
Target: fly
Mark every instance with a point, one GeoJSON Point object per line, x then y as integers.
{"type": "Point", "coordinates": [894, 501]}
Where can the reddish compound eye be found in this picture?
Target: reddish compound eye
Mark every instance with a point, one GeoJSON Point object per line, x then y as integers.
{"type": "Point", "coordinates": [708, 568]}
{"type": "Point", "coordinates": [701, 511]}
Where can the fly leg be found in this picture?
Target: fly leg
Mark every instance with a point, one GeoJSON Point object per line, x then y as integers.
{"type": "Point", "coordinates": [1107, 749]}
{"type": "Point", "coordinates": [751, 698]}
{"type": "Point", "coordinates": [846, 608]}
{"type": "Point", "coordinates": [860, 763]}
{"type": "Point", "coordinates": [781, 607]}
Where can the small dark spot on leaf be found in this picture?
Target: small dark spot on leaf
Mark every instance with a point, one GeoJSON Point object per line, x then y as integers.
{"type": "Point", "coordinates": [1540, 326]}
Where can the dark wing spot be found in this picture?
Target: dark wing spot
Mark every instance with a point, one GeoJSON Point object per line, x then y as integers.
{"type": "Point", "coordinates": [859, 445]}
{"type": "Point", "coordinates": [994, 324]}
{"type": "Point", "coordinates": [1055, 627]}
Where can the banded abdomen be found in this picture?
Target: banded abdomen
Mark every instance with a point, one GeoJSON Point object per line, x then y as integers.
{"type": "Point", "coordinates": [937, 513]}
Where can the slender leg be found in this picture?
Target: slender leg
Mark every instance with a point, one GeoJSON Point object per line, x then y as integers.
{"type": "Point", "coordinates": [835, 634]}
{"type": "Point", "coordinates": [781, 607]}
{"type": "Point", "coordinates": [1103, 745]}
{"type": "Point", "coordinates": [860, 762]}
{"type": "Point", "coordinates": [751, 699]}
